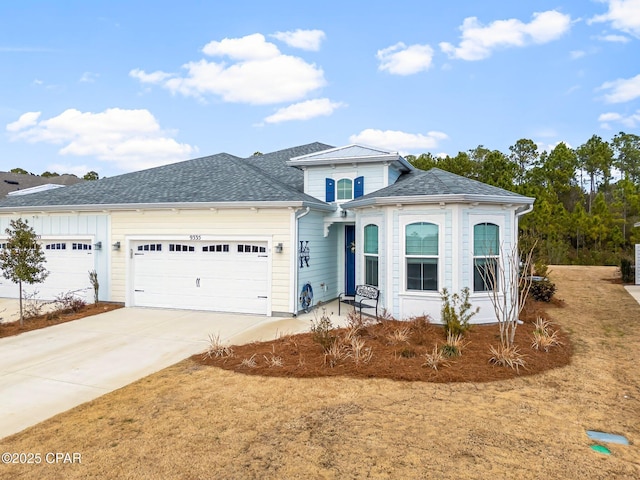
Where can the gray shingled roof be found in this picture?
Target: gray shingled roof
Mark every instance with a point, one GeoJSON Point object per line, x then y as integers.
{"type": "Point", "coordinates": [214, 179]}
{"type": "Point", "coordinates": [437, 183]}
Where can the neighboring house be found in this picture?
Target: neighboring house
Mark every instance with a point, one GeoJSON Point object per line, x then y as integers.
{"type": "Point", "coordinates": [229, 234]}
{"type": "Point", "coordinates": [15, 183]}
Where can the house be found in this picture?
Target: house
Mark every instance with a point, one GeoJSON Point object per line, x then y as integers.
{"type": "Point", "coordinates": [17, 183]}
{"type": "Point", "coordinates": [245, 235]}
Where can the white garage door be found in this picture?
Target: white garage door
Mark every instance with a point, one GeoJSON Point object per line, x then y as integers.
{"type": "Point", "coordinates": [217, 276]}
{"type": "Point", "coordinates": [68, 263]}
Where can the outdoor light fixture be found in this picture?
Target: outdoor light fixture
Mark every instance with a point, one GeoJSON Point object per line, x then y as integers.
{"type": "Point", "coordinates": [116, 246]}
{"type": "Point", "coordinates": [279, 248]}
{"type": "Point", "coordinates": [97, 246]}
{"type": "Point", "coordinates": [343, 213]}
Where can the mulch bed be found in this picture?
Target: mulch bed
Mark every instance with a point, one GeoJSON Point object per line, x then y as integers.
{"type": "Point", "coordinates": [302, 357]}
{"type": "Point", "coordinates": [54, 318]}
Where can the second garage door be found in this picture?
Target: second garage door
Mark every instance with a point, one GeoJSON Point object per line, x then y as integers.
{"type": "Point", "coordinates": [217, 276]}
{"type": "Point", "coordinates": [68, 263]}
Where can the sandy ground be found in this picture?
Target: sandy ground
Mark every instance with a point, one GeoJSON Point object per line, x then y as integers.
{"type": "Point", "coordinates": [190, 421]}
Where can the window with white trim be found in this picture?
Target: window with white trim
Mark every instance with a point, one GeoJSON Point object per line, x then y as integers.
{"type": "Point", "coordinates": [81, 246]}
{"type": "Point", "coordinates": [178, 247]}
{"type": "Point", "coordinates": [371, 255]}
{"type": "Point", "coordinates": [421, 256]}
{"type": "Point", "coordinates": [344, 189]}
{"type": "Point", "coordinates": [216, 248]}
{"type": "Point", "coordinates": [486, 256]}
{"type": "Point", "coordinates": [55, 246]}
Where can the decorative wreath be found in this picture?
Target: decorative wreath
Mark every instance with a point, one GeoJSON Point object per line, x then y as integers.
{"type": "Point", "coordinates": [306, 296]}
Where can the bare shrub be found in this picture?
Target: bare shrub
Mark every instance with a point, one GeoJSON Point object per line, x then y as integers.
{"type": "Point", "coordinates": [336, 353]}
{"type": "Point", "coordinates": [543, 336]}
{"type": "Point", "coordinates": [454, 345]}
{"type": "Point", "coordinates": [69, 302]}
{"type": "Point", "coordinates": [400, 335]}
{"type": "Point", "coordinates": [249, 362]}
{"type": "Point", "coordinates": [359, 352]}
{"type": "Point", "coordinates": [507, 357]}
{"type": "Point", "coordinates": [273, 361]}
{"type": "Point", "coordinates": [31, 306]}
{"type": "Point", "coordinates": [93, 279]}
{"type": "Point", "coordinates": [435, 359]}
{"type": "Point", "coordinates": [420, 329]}
{"type": "Point", "coordinates": [322, 330]}
{"type": "Point", "coordinates": [217, 349]}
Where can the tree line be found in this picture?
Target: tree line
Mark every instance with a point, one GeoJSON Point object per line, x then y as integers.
{"type": "Point", "coordinates": [587, 198]}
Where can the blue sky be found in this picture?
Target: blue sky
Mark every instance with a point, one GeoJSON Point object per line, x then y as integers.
{"type": "Point", "coordinates": [116, 86]}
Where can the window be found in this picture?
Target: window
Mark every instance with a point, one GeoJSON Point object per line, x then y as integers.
{"type": "Point", "coordinates": [176, 247]}
{"type": "Point", "coordinates": [486, 254]}
{"type": "Point", "coordinates": [56, 246]}
{"type": "Point", "coordinates": [421, 251]}
{"type": "Point", "coordinates": [216, 248]}
{"type": "Point", "coordinates": [81, 246]}
{"type": "Point", "coordinates": [345, 189]}
{"type": "Point", "coordinates": [150, 247]}
{"type": "Point", "coordinates": [251, 249]}
{"type": "Point", "coordinates": [371, 255]}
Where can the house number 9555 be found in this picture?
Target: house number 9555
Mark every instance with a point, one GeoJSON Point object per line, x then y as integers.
{"type": "Point", "coordinates": [195, 237]}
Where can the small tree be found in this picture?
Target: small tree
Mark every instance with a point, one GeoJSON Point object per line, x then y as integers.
{"type": "Point", "coordinates": [514, 276]}
{"type": "Point", "coordinates": [22, 260]}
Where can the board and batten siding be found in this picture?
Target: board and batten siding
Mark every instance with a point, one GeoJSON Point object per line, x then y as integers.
{"type": "Point", "coordinates": [315, 177]}
{"type": "Point", "coordinates": [94, 227]}
{"type": "Point", "coordinates": [223, 224]}
{"type": "Point", "coordinates": [322, 272]}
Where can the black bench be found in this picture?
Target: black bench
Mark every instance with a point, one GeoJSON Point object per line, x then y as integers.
{"type": "Point", "coordinates": [366, 296]}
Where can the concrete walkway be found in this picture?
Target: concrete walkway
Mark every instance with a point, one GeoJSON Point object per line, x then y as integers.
{"type": "Point", "coordinates": [634, 291]}
{"type": "Point", "coordinates": [48, 371]}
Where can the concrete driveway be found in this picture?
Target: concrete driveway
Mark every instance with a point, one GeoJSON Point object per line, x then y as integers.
{"type": "Point", "coordinates": [45, 372]}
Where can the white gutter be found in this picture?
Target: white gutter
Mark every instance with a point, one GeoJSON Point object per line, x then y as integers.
{"type": "Point", "coordinates": [163, 206]}
{"type": "Point", "coordinates": [294, 259]}
{"type": "Point", "coordinates": [450, 198]}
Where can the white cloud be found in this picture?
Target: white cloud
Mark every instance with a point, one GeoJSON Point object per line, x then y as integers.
{"type": "Point", "coordinates": [303, 39]}
{"type": "Point", "coordinates": [630, 121]}
{"type": "Point", "coordinates": [622, 89]}
{"type": "Point", "coordinates": [399, 59]}
{"type": "Point", "coordinates": [479, 41]}
{"type": "Point", "coordinates": [305, 110]}
{"type": "Point", "coordinates": [260, 74]}
{"type": "Point", "coordinates": [398, 141]}
{"type": "Point", "coordinates": [26, 120]}
{"type": "Point", "coordinates": [614, 38]}
{"type": "Point", "coordinates": [154, 77]}
{"type": "Point", "coordinates": [131, 139]}
{"type": "Point", "coordinates": [88, 77]}
{"type": "Point", "coordinates": [575, 54]}
{"type": "Point", "coordinates": [624, 15]}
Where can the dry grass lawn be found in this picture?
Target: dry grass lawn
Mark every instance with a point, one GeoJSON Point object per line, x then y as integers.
{"type": "Point", "coordinates": [191, 421]}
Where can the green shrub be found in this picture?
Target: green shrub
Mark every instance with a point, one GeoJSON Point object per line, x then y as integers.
{"type": "Point", "coordinates": [626, 268]}
{"type": "Point", "coordinates": [542, 290]}
{"type": "Point", "coordinates": [322, 331]}
{"type": "Point", "coordinates": [456, 311]}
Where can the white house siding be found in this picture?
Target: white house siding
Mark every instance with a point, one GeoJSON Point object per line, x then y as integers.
{"type": "Point", "coordinates": [94, 227]}
{"type": "Point", "coordinates": [271, 225]}
{"type": "Point", "coordinates": [316, 177]}
{"type": "Point", "coordinates": [394, 173]}
{"type": "Point", "coordinates": [375, 217]}
{"type": "Point", "coordinates": [322, 272]}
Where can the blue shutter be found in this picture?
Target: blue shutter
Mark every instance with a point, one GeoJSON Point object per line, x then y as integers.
{"type": "Point", "coordinates": [358, 188]}
{"type": "Point", "coordinates": [330, 190]}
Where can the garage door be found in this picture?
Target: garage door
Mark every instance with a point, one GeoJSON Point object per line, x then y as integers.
{"type": "Point", "coordinates": [217, 276]}
{"type": "Point", "coordinates": [68, 263]}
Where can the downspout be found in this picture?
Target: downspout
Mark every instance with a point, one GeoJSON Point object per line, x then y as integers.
{"type": "Point", "coordinates": [294, 257]}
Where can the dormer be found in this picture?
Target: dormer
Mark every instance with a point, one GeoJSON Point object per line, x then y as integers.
{"type": "Point", "coordinates": [346, 173]}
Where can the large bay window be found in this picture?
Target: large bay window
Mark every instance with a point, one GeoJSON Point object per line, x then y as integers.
{"type": "Point", "coordinates": [421, 253]}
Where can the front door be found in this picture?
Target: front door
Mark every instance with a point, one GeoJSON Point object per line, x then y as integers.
{"type": "Point", "coordinates": [350, 259]}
